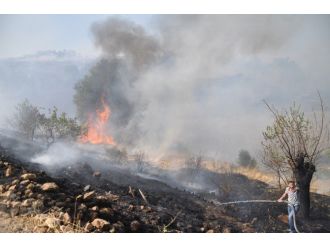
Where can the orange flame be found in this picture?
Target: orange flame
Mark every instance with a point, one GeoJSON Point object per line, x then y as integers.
{"type": "Point", "coordinates": [96, 132]}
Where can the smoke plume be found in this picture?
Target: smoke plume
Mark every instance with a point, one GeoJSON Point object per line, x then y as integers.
{"type": "Point", "coordinates": [196, 83]}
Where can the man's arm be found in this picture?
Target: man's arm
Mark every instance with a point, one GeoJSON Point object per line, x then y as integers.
{"type": "Point", "coordinates": [282, 197]}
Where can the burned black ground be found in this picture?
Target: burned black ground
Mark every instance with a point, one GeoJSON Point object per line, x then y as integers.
{"type": "Point", "coordinates": [88, 195]}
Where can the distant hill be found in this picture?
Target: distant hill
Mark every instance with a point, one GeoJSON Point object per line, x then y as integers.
{"type": "Point", "coordinates": [46, 78]}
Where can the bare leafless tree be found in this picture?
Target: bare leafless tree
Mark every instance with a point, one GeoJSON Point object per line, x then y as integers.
{"type": "Point", "coordinates": [295, 142]}
{"type": "Point", "coordinates": [273, 161]}
{"type": "Point", "coordinates": [194, 164]}
{"type": "Point", "coordinates": [140, 159]}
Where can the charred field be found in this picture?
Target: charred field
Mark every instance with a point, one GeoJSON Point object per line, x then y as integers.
{"type": "Point", "coordinates": [89, 197]}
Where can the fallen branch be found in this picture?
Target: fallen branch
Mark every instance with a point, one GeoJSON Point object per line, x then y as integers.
{"type": "Point", "coordinates": [143, 197]}
{"type": "Point", "coordinates": [131, 191]}
{"type": "Point", "coordinates": [165, 227]}
{"type": "Point", "coordinates": [173, 220]}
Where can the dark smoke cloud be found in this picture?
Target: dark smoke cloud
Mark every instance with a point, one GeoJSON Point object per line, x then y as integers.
{"type": "Point", "coordinates": [198, 82]}
{"type": "Point", "coordinates": [121, 38]}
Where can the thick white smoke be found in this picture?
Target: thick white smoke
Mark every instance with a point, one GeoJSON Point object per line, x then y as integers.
{"type": "Point", "coordinates": [198, 82]}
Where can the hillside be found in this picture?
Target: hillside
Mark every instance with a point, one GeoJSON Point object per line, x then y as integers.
{"type": "Point", "coordinates": [91, 198]}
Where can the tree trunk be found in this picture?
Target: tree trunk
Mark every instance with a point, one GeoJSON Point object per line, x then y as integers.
{"type": "Point", "coordinates": [303, 173]}
{"type": "Point", "coordinates": [279, 179]}
{"type": "Point", "coordinates": [304, 200]}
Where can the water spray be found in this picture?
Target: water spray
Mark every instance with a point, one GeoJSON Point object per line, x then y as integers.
{"type": "Point", "coordinates": [293, 214]}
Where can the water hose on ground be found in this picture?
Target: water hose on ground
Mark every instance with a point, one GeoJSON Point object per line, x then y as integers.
{"type": "Point", "coordinates": [293, 214]}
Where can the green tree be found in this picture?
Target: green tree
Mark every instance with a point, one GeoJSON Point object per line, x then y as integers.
{"type": "Point", "coordinates": [25, 119]}
{"type": "Point", "coordinates": [245, 159]}
{"type": "Point", "coordinates": [58, 127]}
{"type": "Point", "coordinates": [294, 142]}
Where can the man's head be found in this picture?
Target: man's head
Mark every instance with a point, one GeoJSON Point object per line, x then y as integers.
{"type": "Point", "coordinates": [292, 184]}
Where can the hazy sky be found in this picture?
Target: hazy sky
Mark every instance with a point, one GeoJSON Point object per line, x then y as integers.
{"type": "Point", "coordinates": [26, 34]}
{"type": "Point", "coordinates": [204, 90]}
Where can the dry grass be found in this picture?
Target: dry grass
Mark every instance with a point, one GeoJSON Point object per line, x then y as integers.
{"type": "Point", "coordinates": [249, 172]}
{"type": "Point", "coordinates": [176, 162]}
{"type": "Point", "coordinates": [50, 222]}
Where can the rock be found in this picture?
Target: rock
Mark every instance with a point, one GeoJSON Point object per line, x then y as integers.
{"type": "Point", "coordinates": [66, 229]}
{"type": "Point", "coordinates": [25, 182]}
{"type": "Point", "coordinates": [102, 198]}
{"type": "Point", "coordinates": [49, 186]}
{"type": "Point", "coordinates": [87, 188]}
{"type": "Point", "coordinates": [111, 196]}
{"type": "Point", "coordinates": [117, 227]}
{"type": "Point", "coordinates": [66, 218]}
{"type": "Point", "coordinates": [148, 209]}
{"type": "Point", "coordinates": [106, 212]}
{"type": "Point", "coordinates": [29, 176]}
{"type": "Point", "coordinates": [95, 208]}
{"type": "Point", "coordinates": [40, 196]}
{"type": "Point", "coordinates": [30, 186]}
{"type": "Point", "coordinates": [27, 192]}
{"type": "Point", "coordinates": [15, 204]}
{"type": "Point", "coordinates": [130, 207]}
{"type": "Point", "coordinates": [82, 207]}
{"type": "Point", "coordinates": [9, 195]}
{"type": "Point", "coordinates": [41, 217]}
{"type": "Point", "coordinates": [101, 224]}
{"type": "Point", "coordinates": [51, 203]}
{"type": "Point", "coordinates": [247, 228]}
{"type": "Point", "coordinates": [27, 203]}
{"type": "Point", "coordinates": [2, 188]}
{"type": "Point", "coordinates": [9, 171]}
{"type": "Point", "coordinates": [12, 188]}
{"type": "Point", "coordinates": [40, 229]}
{"type": "Point", "coordinates": [210, 231]}
{"type": "Point", "coordinates": [254, 220]}
{"type": "Point", "coordinates": [14, 212]}
{"type": "Point", "coordinates": [31, 194]}
{"type": "Point", "coordinates": [226, 230]}
{"type": "Point", "coordinates": [15, 182]}
{"type": "Point", "coordinates": [52, 223]}
{"type": "Point", "coordinates": [37, 204]}
{"type": "Point", "coordinates": [89, 195]}
{"type": "Point", "coordinates": [68, 200]}
{"type": "Point", "coordinates": [88, 227]}
{"type": "Point", "coordinates": [97, 174]}
{"type": "Point", "coordinates": [135, 226]}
